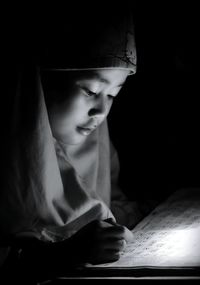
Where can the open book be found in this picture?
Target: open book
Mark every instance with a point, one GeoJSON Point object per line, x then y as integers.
{"type": "Point", "coordinates": [168, 238]}
{"type": "Point", "coordinates": [166, 243]}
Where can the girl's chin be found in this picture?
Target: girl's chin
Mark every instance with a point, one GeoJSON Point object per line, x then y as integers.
{"type": "Point", "coordinates": [71, 140]}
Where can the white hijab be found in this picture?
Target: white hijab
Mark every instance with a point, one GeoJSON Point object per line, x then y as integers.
{"type": "Point", "coordinates": [50, 191]}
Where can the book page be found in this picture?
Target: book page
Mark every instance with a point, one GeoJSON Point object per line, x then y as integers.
{"type": "Point", "coordinates": [168, 237]}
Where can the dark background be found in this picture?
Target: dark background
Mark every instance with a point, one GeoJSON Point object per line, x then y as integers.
{"type": "Point", "coordinates": [154, 122]}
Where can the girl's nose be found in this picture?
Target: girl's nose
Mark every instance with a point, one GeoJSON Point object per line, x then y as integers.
{"type": "Point", "coordinates": [99, 109]}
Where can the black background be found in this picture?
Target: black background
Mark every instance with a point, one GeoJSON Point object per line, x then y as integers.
{"type": "Point", "coordinates": [154, 123]}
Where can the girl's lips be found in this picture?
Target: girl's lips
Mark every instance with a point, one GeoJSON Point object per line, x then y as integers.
{"type": "Point", "coordinates": [85, 131]}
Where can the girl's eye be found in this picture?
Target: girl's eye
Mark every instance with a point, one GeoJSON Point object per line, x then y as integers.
{"type": "Point", "coordinates": [88, 92]}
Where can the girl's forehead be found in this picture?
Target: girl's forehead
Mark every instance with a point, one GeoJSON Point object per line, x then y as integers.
{"type": "Point", "coordinates": [103, 75]}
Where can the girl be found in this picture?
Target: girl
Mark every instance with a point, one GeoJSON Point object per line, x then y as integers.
{"type": "Point", "coordinates": [60, 204]}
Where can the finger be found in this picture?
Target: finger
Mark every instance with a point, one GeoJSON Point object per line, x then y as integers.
{"type": "Point", "coordinates": [105, 257]}
{"type": "Point", "coordinates": [110, 235]}
{"type": "Point", "coordinates": [102, 225]}
{"type": "Point", "coordinates": [115, 245]}
{"type": "Point", "coordinates": [128, 235]}
{"type": "Point", "coordinates": [108, 245]}
{"type": "Point", "coordinates": [112, 255]}
{"type": "Point", "coordinates": [126, 232]}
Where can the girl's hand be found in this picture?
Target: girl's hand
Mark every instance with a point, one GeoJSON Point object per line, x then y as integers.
{"type": "Point", "coordinates": [97, 242]}
{"type": "Point", "coordinates": [101, 241]}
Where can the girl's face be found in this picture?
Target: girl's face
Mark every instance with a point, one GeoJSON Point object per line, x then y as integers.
{"type": "Point", "coordinates": [79, 106]}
